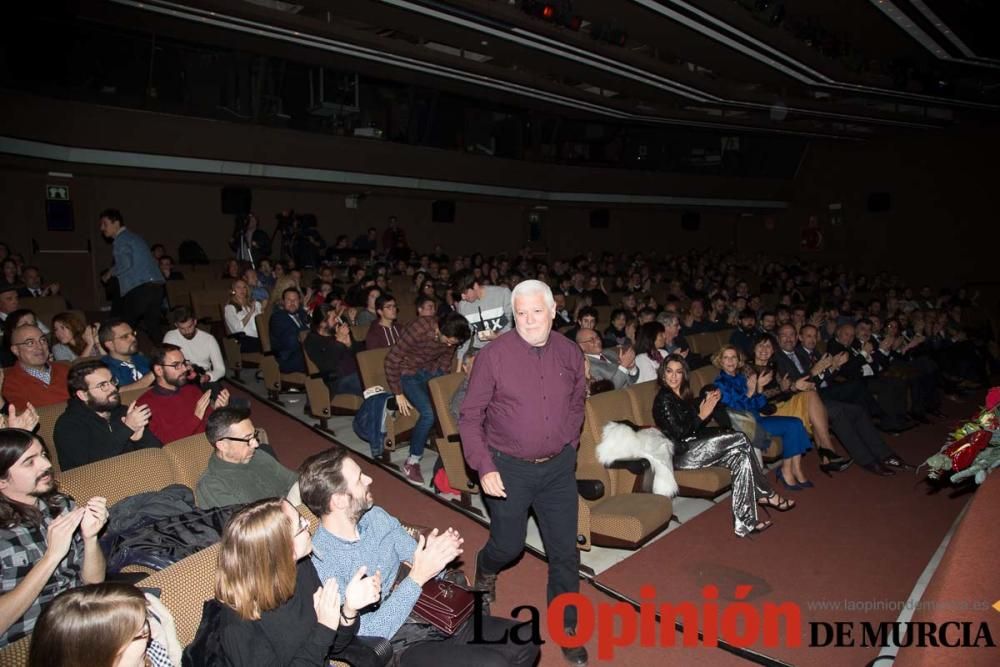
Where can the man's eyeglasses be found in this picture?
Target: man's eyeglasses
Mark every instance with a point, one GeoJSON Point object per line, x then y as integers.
{"type": "Point", "coordinates": [145, 634]}
{"type": "Point", "coordinates": [246, 441]}
{"type": "Point", "coordinates": [177, 365]}
{"type": "Point", "coordinates": [107, 385]}
{"type": "Point", "coordinates": [32, 342]}
{"type": "Point", "coordinates": [127, 334]}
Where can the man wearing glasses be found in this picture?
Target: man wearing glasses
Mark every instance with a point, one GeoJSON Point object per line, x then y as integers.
{"type": "Point", "coordinates": [130, 369]}
{"type": "Point", "coordinates": [383, 333]}
{"type": "Point", "coordinates": [238, 473]}
{"type": "Point", "coordinates": [33, 379]}
{"type": "Point", "coordinates": [178, 409]}
{"type": "Point", "coordinates": [95, 425]}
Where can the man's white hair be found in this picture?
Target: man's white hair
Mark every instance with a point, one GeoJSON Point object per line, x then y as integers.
{"type": "Point", "coordinates": [526, 287]}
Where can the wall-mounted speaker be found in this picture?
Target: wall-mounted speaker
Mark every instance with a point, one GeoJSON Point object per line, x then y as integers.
{"type": "Point", "coordinates": [236, 200]}
{"type": "Point", "coordinates": [600, 218]}
{"type": "Point", "coordinates": [690, 221]}
{"type": "Point", "coordinates": [443, 210]}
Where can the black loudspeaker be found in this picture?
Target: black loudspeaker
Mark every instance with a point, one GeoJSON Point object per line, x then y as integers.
{"type": "Point", "coordinates": [690, 221]}
{"type": "Point", "coordinates": [236, 200]}
{"type": "Point", "coordinates": [443, 211]}
{"type": "Point", "coordinates": [879, 202]}
{"type": "Point", "coordinates": [600, 218]}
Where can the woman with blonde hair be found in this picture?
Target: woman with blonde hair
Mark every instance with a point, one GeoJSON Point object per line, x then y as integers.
{"type": "Point", "coordinates": [104, 625]}
{"type": "Point", "coordinates": [740, 387]}
{"type": "Point", "coordinates": [75, 338]}
{"type": "Point", "coordinates": [240, 315]}
{"type": "Point", "coordinates": [275, 610]}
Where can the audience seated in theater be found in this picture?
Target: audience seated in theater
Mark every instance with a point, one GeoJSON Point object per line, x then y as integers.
{"type": "Point", "coordinates": [356, 535]}
{"type": "Point", "coordinates": [331, 348]}
{"type": "Point", "coordinates": [105, 625]}
{"type": "Point", "coordinates": [238, 472]}
{"type": "Point", "coordinates": [241, 314]}
{"type": "Point", "coordinates": [849, 421]}
{"type": "Point", "coordinates": [34, 286]}
{"type": "Point", "coordinates": [425, 350]}
{"type": "Point", "coordinates": [275, 611]}
{"type": "Point", "coordinates": [178, 409]}
{"type": "Point", "coordinates": [95, 425]}
{"type": "Point", "coordinates": [886, 396]}
{"type": "Point", "coordinates": [33, 379]}
{"type": "Point", "coordinates": [75, 338]}
{"type": "Point", "coordinates": [199, 347]}
{"type": "Point", "coordinates": [258, 290]}
{"type": "Point", "coordinates": [615, 333]}
{"type": "Point", "coordinates": [20, 317]}
{"type": "Point", "coordinates": [741, 390]}
{"type": "Point", "coordinates": [368, 315]}
{"type": "Point", "coordinates": [130, 368]}
{"type": "Point", "coordinates": [384, 332]}
{"type": "Point", "coordinates": [797, 398]}
{"type": "Point", "coordinates": [684, 420]}
{"type": "Point", "coordinates": [694, 321]}
{"type": "Point", "coordinates": [166, 264]}
{"type": "Point", "coordinates": [649, 348]}
{"type": "Point", "coordinates": [289, 325]}
{"type": "Point", "coordinates": [48, 544]}
{"type": "Point", "coordinates": [919, 377]}
{"type": "Point", "coordinates": [586, 318]}
{"type": "Point", "coordinates": [426, 306]}
{"type": "Point", "coordinates": [746, 332]}
{"type": "Point", "coordinates": [617, 365]}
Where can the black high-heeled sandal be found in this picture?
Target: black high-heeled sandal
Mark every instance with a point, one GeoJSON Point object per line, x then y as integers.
{"type": "Point", "coordinates": [830, 456]}
{"type": "Point", "coordinates": [783, 506]}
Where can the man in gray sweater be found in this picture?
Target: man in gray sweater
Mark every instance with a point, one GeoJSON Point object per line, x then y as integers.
{"type": "Point", "coordinates": [486, 307]}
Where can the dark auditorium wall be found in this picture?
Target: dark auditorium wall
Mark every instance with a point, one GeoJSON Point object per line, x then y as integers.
{"type": "Point", "coordinates": [943, 205]}
{"type": "Point", "coordinates": [168, 208]}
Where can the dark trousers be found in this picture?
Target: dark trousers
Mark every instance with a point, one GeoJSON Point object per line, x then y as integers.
{"type": "Point", "coordinates": [141, 309]}
{"type": "Point", "coordinates": [550, 490]}
{"type": "Point", "coordinates": [456, 651]}
{"type": "Point", "coordinates": [856, 432]}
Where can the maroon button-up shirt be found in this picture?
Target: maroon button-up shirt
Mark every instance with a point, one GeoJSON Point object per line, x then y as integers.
{"type": "Point", "coordinates": [522, 400]}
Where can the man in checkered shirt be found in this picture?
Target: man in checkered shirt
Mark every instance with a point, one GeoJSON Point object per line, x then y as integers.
{"type": "Point", "coordinates": [47, 543]}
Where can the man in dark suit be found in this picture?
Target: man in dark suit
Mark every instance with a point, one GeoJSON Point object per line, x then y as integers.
{"type": "Point", "coordinates": [288, 323]}
{"type": "Point", "coordinates": [618, 368]}
{"type": "Point", "coordinates": [865, 364]}
{"type": "Point", "coordinates": [848, 421]}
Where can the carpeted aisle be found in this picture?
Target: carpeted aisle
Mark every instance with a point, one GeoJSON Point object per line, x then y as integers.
{"type": "Point", "coordinates": [524, 584]}
{"type": "Point", "coordinates": [855, 537]}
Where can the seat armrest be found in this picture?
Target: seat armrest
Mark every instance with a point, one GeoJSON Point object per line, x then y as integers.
{"type": "Point", "coordinates": [642, 470]}
{"type": "Point", "coordinates": [590, 489]}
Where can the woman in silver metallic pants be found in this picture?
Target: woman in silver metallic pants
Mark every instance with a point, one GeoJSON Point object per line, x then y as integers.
{"type": "Point", "coordinates": [699, 446]}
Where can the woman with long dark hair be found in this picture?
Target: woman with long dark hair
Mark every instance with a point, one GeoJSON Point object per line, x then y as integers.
{"type": "Point", "coordinates": [696, 445]}
{"type": "Point", "coordinates": [649, 353]}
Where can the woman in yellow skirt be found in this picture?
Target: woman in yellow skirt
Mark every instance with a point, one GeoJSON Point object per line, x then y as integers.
{"type": "Point", "coordinates": [795, 399]}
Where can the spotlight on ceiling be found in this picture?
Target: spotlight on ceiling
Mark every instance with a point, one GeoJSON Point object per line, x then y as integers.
{"type": "Point", "coordinates": [559, 12]}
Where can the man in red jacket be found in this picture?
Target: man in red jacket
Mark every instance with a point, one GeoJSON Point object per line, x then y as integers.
{"type": "Point", "coordinates": [33, 379]}
{"type": "Point", "coordinates": [178, 409]}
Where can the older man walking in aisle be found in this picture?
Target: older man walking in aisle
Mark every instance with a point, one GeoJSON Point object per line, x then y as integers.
{"type": "Point", "coordinates": [520, 425]}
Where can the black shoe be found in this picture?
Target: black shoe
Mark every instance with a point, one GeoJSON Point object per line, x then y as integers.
{"type": "Point", "coordinates": [576, 655]}
{"type": "Point", "coordinates": [830, 456]}
{"type": "Point", "coordinates": [827, 468]}
{"type": "Point", "coordinates": [485, 582]}
{"type": "Point", "coordinates": [896, 462]}
{"type": "Point", "coordinates": [878, 469]}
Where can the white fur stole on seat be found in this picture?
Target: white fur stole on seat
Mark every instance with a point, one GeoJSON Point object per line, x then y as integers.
{"type": "Point", "coordinates": [621, 442]}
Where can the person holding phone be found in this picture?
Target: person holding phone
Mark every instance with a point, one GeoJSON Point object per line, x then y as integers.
{"type": "Point", "coordinates": [696, 445]}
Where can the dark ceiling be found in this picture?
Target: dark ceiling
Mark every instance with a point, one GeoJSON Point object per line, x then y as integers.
{"type": "Point", "coordinates": [841, 68]}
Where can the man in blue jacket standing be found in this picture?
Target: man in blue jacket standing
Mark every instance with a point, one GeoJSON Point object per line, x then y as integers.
{"type": "Point", "coordinates": [139, 279]}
